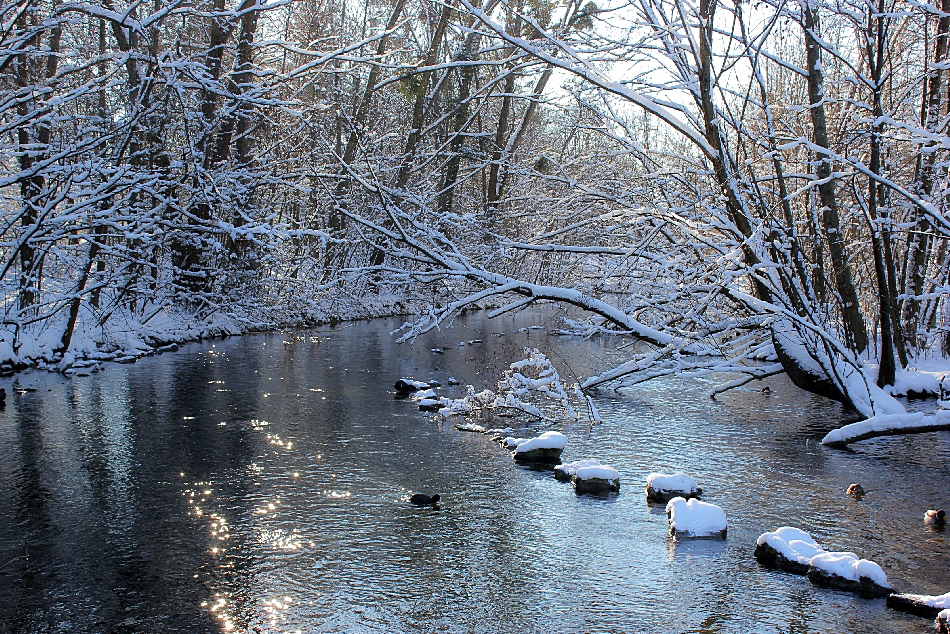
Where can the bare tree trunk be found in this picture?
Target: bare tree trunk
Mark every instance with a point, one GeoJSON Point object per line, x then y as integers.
{"type": "Point", "coordinates": [33, 141]}
{"type": "Point", "coordinates": [920, 244]}
{"type": "Point", "coordinates": [875, 43]}
{"type": "Point", "coordinates": [467, 76]}
{"type": "Point", "coordinates": [516, 137]}
{"type": "Point", "coordinates": [336, 223]}
{"type": "Point", "coordinates": [418, 117]}
{"type": "Point", "coordinates": [852, 321]}
{"type": "Point", "coordinates": [493, 195]}
{"type": "Point", "coordinates": [187, 244]}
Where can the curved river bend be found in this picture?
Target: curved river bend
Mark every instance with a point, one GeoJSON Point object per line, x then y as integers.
{"type": "Point", "coordinates": [254, 485]}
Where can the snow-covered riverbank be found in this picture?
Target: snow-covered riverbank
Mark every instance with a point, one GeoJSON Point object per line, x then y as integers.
{"type": "Point", "coordinates": [127, 336]}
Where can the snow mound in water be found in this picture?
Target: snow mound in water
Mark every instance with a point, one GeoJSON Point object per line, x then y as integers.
{"type": "Point", "coordinates": [547, 440]}
{"type": "Point", "coordinates": [886, 423]}
{"type": "Point", "coordinates": [695, 518]}
{"type": "Point", "coordinates": [678, 482]}
{"type": "Point", "coordinates": [570, 468]}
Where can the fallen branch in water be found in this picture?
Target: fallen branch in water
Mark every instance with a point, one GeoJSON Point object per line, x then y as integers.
{"type": "Point", "coordinates": [888, 425]}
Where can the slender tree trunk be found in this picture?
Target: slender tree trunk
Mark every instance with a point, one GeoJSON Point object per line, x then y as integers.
{"type": "Point", "coordinates": [467, 76]}
{"type": "Point", "coordinates": [33, 140]}
{"type": "Point", "coordinates": [187, 244]}
{"type": "Point", "coordinates": [721, 167]}
{"type": "Point", "coordinates": [493, 195]}
{"type": "Point", "coordinates": [517, 135]}
{"type": "Point", "coordinates": [76, 301]}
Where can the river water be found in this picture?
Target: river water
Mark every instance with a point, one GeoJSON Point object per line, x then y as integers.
{"type": "Point", "coordinates": [259, 484]}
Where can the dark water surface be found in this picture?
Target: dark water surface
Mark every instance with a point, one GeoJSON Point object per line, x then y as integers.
{"type": "Point", "coordinates": [253, 485]}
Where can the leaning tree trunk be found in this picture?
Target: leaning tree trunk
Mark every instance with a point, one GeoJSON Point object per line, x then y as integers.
{"type": "Point", "coordinates": [852, 320]}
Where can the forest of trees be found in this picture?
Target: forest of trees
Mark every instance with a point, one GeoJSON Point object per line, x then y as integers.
{"type": "Point", "coordinates": [714, 178]}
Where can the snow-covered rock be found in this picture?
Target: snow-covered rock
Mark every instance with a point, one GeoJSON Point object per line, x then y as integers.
{"type": "Point", "coordinates": [692, 518]}
{"type": "Point", "coordinates": [545, 448]}
{"type": "Point", "coordinates": [920, 604]}
{"type": "Point", "coordinates": [564, 472]}
{"type": "Point", "coordinates": [408, 386]}
{"type": "Point", "coordinates": [430, 404]}
{"type": "Point", "coordinates": [596, 479]}
{"type": "Point", "coordinates": [846, 571]}
{"type": "Point", "coordinates": [472, 427]}
{"type": "Point", "coordinates": [663, 488]}
{"type": "Point", "coordinates": [787, 548]}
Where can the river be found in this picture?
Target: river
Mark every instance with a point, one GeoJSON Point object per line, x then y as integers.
{"type": "Point", "coordinates": [259, 484]}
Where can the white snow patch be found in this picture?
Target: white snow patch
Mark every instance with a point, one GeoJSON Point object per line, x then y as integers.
{"type": "Point", "coordinates": [601, 472]}
{"type": "Point", "coordinates": [849, 566]}
{"type": "Point", "coordinates": [695, 518]}
{"type": "Point", "coordinates": [923, 377]}
{"type": "Point", "coordinates": [793, 544]}
{"type": "Point", "coordinates": [419, 385]}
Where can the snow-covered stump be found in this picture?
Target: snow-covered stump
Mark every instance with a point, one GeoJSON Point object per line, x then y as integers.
{"type": "Point", "coordinates": [943, 622]}
{"type": "Point", "coordinates": [919, 604]}
{"type": "Point", "coordinates": [845, 571]}
{"type": "Point", "coordinates": [564, 472]}
{"type": "Point", "coordinates": [787, 548]}
{"type": "Point", "coordinates": [695, 519]}
{"type": "Point", "coordinates": [597, 480]}
{"type": "Point", "coordinates": [663, 488]}
{"type": "Point", "coordinates": [545, 448]}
